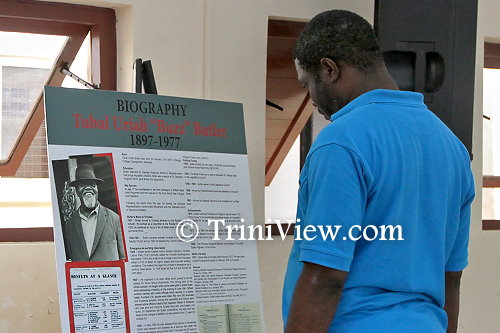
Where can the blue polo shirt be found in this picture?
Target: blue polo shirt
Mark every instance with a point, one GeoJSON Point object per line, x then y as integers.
{"type": "Point", "coordinates": [385, 160]}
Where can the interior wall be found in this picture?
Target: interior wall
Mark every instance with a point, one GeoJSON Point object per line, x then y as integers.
{"type": "Point", "coordinates": [29, 301]}
{"type": "Point", "coordinates": [217, 49]}
{"type": "Point", "coordinates": [480, 291]}
{"type": "Point", "coordinates": [281, 194]}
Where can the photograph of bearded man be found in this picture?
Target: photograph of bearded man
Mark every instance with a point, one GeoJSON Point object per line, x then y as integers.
{"type": "Point", "coordinates": [93, 232]}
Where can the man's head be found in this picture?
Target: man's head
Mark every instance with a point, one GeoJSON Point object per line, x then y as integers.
{"type": "Point", "coordinates": [86, 187]}
{"type": "Point", "coordinates": [334, 52]}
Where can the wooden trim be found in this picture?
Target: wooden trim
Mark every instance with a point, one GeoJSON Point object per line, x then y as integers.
{"type": "Point", "coordinates": [103, 44]}
{"type": "Point", "coordinates": [286, 142]}
{"type": "Point", "coordinates": [40, 26]}
{"type": "Point", "coordinates": [491, 224]}
{"type": "Point", "coordinates": [491, 181]}
{"type": "Point", "coordinates": [27, 235]}
{"type": "Point", "coordinates": [491, 55]}
{"type": "Point", "coordinates": [492, 62]}
{"type": "Point", "coordinates": [286, 29]}
{"type": "Point", "coordinates": [54, 11]}
{"type": "Point", "coordinates": [491, 49]}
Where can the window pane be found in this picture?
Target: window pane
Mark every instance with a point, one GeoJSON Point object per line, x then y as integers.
{"type": "Point", "coordinates": [25, 64]}
{"type": "Point", "coordinates": [25, 203]}
{"type": "Point", "coordinates": [34, 164]}
{"type": "Point", "coordinates": [80, 66]}
{"type": "Point", "coordinates": [20, 89]}
{"type": "Point", "coordinates": [491, 203]}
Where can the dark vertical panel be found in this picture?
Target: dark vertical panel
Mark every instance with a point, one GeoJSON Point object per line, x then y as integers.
{"type": "Point", "coordinates": [429, 47]}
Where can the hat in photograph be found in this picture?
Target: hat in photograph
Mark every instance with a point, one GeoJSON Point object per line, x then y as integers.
{"type": "Point", "coordinates": [85, 172]}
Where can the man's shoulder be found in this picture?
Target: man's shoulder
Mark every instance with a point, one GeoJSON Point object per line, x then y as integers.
{"type": "Point", "coordinates": [71, 224]}
{"type": "Point", "coordinates": [344, 132]}
{"type": "Point", "coordinates": [110, 213]}
{"type": "Point", "coordinates": [359, 121]}
{"type": "Point", "coordinates": [75, 216]}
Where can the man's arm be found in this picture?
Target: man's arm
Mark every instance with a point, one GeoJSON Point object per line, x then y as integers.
{"type": "Point", "coordinates": [315, 299]}
{"type": "Point", "coordinates": [452, 300]}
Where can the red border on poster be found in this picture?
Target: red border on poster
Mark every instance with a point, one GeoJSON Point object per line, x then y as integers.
{"type": "Point", "coordinates": [91, 264]}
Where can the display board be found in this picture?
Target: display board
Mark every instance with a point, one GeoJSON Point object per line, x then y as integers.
{"type": "Point", "coordinates": [136, 180]}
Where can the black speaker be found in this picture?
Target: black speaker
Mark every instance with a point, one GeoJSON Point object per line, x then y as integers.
{"type": "Point", "coordinates": [429, 46]}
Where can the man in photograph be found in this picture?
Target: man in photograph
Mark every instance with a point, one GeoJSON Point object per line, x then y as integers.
{"type": "Point", "coordinates": [93, 232]}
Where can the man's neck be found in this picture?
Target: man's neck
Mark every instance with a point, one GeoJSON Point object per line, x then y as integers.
{"type": "Point", "coordinates": [87, 211]}
{"type": "Point", "coordinates": [363, 83]}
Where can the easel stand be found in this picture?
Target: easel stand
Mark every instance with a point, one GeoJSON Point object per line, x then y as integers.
{"type": "Point", "coordinates": [144, 76]}
{"type": "Point", "coordinates": [143, 73]}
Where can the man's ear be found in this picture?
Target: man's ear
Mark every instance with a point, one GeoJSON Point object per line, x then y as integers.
{"type": "Point", "coordinates": [331, 68]}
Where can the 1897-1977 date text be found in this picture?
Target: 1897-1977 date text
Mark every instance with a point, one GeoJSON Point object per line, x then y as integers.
{"type": "Point", "coordinates": [152, 140]}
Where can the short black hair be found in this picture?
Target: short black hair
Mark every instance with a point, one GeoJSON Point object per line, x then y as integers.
{"type": "Point", "coordinates": [339, 35]}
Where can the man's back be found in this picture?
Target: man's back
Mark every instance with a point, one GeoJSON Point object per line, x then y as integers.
{"type": "Point", "coordinates": [386, 160]}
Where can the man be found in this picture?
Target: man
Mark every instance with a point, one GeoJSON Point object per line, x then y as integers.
{"type": "Point", "coordinates": [93, 232]}
{"type": "Point", "coordinates": [384, 160]}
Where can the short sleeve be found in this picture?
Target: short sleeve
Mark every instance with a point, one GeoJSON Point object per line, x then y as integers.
{"type": "Point", "coordinates": [458, 258]}
{"type": "Point", "coordinates": [336, 180]}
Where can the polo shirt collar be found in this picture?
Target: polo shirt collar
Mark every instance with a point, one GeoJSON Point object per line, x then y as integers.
{"type": "Point", "coordinates": [380, 96]}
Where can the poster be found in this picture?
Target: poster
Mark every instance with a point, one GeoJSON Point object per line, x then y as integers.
{"type": "Point", "coordinates": [136, 180]}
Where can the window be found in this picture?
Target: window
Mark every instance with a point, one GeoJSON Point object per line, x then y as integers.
{"type": "Point", "coordinates": [491, 137]}
{"type": "Point", "coordinates": [65, 32]}
{"type": "Point", "coordinates": [25, 64]}
{"type": "Point", "coordinates": [283, 126]}
{"type": "Point", "coordinates": [283, 90]}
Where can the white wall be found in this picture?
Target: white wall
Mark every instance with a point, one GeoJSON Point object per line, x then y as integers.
{"type": "Point", "coordinates": [281, 194]}
{"type": "Point", "coordinates": [217, 49]}
{"type": "Point", "coordinates": [28, 289]}
{"type": "Point", "coordinates": [480, 301]}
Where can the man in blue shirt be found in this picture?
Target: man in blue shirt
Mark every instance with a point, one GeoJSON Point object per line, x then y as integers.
{"type": "Point", "coordinates": [384, 162]}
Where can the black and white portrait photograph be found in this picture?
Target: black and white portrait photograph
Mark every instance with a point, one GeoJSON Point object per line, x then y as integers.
{"type": "Point", "coordinates": [88, 207]}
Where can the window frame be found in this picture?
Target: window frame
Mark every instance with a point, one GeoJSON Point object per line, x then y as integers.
{"type": "Point", "coordinates": [491, 60]}
{"type": "Point", "coordinates": [76, 22]}
{"type": "Point", "coordinates": [491, 182]}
